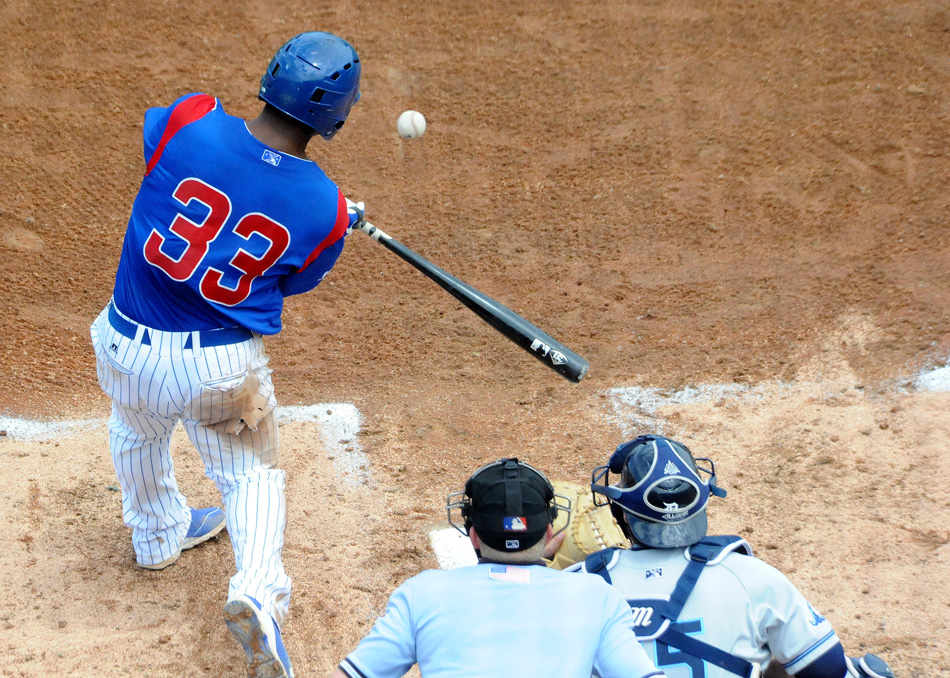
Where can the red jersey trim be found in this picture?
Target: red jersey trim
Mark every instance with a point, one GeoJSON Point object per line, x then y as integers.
{"type": "Point", "coordinates": [339, 228]}
{"type": "Point", "coordinates": [186, 112]}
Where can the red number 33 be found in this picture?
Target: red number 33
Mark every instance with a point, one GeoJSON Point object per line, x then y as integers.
{"type": "Point", "coordinates": [199, 237]}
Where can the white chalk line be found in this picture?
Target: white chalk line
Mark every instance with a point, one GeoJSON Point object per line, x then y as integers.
{"type": "Point", "coordinates": [341, 422]}
{"type": "Point", "coordinates": [934, 380]}
{"type": "Point", "coordinates": [634, 408]}
{"type": "Point", "coordinates": [26, 429]}
{"type": "Point", "coordinates": [339, 429]}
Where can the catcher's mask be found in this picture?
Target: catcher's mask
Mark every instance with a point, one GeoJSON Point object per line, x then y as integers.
{"type": "Point", "coordinates": [661, 497]}
{"type": "Point", "coordinates": [509, 503]}
{"type": "Point", "coordinates": [315, 79]}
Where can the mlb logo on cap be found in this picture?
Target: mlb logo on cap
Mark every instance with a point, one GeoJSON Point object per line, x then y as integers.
{"type": "Point", "coordinates": [515, 524]}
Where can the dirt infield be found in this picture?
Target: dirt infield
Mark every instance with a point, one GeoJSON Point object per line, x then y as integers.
{"type": "Point", "coordinates": [736, 211]}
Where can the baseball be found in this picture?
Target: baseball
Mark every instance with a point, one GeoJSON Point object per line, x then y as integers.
{"type": "Point", "coordinates": [411, 125]}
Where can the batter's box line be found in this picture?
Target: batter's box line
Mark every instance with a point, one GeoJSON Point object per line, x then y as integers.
{"type": "Point", "coordinates": [635, 407]}
{"type": "Point", "coordinates": [339, 425]}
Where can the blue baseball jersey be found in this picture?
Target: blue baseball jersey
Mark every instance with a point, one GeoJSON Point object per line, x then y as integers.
{"type": "Point", "coordinates": [499, 621]}
{"type": "Point", "coordinates": [223, 227]}
{"type": "Point", "coordinates": [740, 604]}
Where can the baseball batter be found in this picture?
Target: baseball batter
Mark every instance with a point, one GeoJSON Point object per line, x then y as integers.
{"type": "Point", "coordinates": [230, 219]}
{"type": "Point", "coordinates": [505, 616]}
{"type": "Point", "coordinates": [704, 607]}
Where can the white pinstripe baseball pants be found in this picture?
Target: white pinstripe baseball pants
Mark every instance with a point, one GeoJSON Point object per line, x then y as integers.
{"type": "Point", "coordinates": [155, 384]}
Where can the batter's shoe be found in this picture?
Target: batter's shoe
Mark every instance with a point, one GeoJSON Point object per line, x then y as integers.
{"type": "Point", "coordinates": [259, 635]}
{"type": "Point", "coordinates": [205, 524]}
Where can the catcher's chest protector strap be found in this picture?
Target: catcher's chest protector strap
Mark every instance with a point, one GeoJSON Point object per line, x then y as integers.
{"type": "Point", "coordinates": [709, 653]}
{"type": "Point", "coordinates": [708, 550]}
{"type": "Point", "coordinates": [599, 562]}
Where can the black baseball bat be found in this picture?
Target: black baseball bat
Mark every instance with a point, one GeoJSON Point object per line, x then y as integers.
{"type": "Point", "coordinates": [542, 346]}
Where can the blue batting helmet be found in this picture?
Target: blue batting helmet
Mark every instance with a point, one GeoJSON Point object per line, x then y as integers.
{"type": "Point", "coordinates": [661, 497]}
{"type": "Point", "coordinates": [315, 79]}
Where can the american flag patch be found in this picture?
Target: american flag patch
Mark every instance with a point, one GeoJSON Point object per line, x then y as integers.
{"type": "Point", "coordinates": [520, 575]}
{"type": "Point", "coordinates": [515, 524]}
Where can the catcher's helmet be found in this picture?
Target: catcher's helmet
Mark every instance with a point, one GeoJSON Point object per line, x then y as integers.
{"type": "Point", "coordinates": [661, 497]}
{"type": "Point", "coordinates": [509, 503]}
{"type": "Point", "coordinates": [314, 78]}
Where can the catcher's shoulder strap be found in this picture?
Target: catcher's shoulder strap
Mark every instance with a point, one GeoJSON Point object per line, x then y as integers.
{"type": "Point", "coordinates": [707, 551]}
{"type": "Point", "coordinates": [599, 562]}
{"type": "Point", "coordinates": [709, 653]}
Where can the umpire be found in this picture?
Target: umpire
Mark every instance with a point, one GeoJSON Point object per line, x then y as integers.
{"type": "Point", "coordinates": [508, 615]}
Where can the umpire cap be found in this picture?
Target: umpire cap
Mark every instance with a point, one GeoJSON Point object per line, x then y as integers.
{"type": "Point", "coordinates": [509, 503]}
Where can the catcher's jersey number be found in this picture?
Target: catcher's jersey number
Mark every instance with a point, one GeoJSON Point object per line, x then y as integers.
{"type": "Point", "coordinates": [199, 236]}
{"type": "Point", "coordinates": [647, 625]}
{"type": "Point", "coordinates": [667, 657]}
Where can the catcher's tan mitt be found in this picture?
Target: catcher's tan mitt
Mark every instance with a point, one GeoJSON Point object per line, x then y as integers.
{"type": "Point", "coordinates": [591, 529]}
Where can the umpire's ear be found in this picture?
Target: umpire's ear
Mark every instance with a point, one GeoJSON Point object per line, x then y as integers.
{"type": "Point", "coordinates": [552, 542]}
{"type": "Point", "coordinates": [476, 544]}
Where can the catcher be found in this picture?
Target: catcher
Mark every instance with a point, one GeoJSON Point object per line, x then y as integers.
{"type": "Point", "coordinates": [703, 606]}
